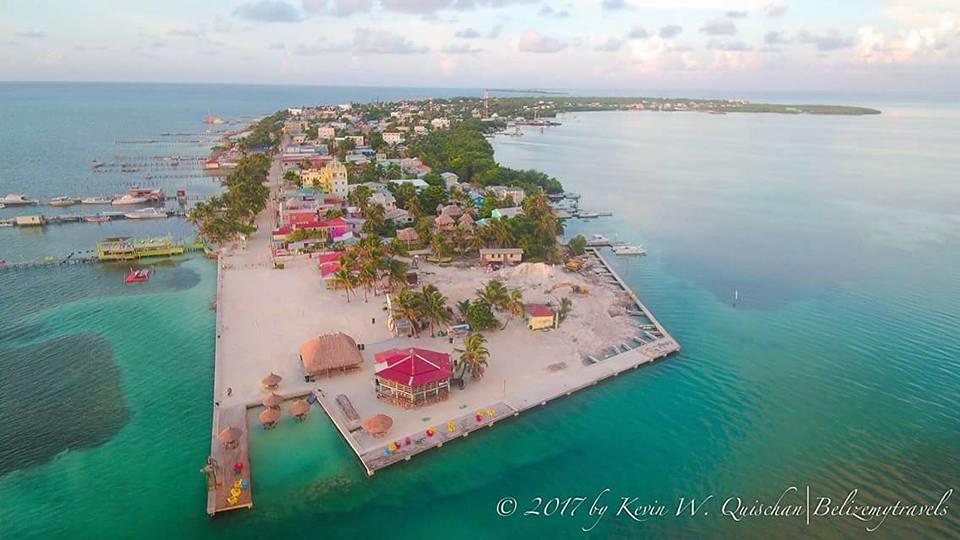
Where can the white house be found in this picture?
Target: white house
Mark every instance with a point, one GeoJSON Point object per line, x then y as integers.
{"type": "Point", "coordinates": [326, 132]}
{"type": "Point", "coordinates": [392, 137]}
{"type": "Point", "coordinates": [450, 179]}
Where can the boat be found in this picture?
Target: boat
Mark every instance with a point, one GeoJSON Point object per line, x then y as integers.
{"type": "Point", "coordinates": [17, 199]}
{"type": "Point", "coordinates": [99, 218]}
{"type": "Point", "coordinates": [598, 240]}
{"type": "Point", "coordinates": [7, 222]}
{"type": "Point", "coordinates": [629, 250]}
{"type": "Point", "coordinates": [2, 206]}
{"type": "Point", "coordinates": [138, 276]}
{"type": "Point", "coordinates": [63, 201]}
{"type": "Point", "coordinates": [150, 194]}
{"type": "Point", "coordinates": [587, 215]}
{"type": "Point", "coordinates": [96, 200]}
{"type": "Point", "coordinates": [96, 164]}
{"type": "Point", "coordinates": [146, 213]}
{"type": "Point", "coordinates": [571, 195]}
{"type": "Point", "coordinates": [125, 200]}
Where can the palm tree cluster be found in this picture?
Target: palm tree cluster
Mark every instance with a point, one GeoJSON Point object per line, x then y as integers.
{"type": "Point", "coordinates": [427, 306]}
{"type": "Point", "coordinates": [220, 218]}
{"type": "Point", "coordinates": [368, 264]}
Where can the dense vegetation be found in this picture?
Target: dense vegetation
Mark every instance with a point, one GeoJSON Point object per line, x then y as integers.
{"type": "Point", "coordinates": [266, 133]}
{"type": "Point", "coordinates": [220, 218]}
{"type": "Point", "coordinates": [465, 151]}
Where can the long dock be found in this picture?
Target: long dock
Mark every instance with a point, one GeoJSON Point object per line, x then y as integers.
{"type": "Point", "coordinates": [405, 446]}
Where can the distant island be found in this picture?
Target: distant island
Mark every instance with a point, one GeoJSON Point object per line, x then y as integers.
{"type": "Point", "coordinates": [550, 105]}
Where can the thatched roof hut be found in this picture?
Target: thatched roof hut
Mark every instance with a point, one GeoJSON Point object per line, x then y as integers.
{"type": "Point", "coordinates": [377, 425]}
{"type": "Point", "coordinates": [271, 381]}
{"type": "Point", "coordinates": [273, 401]}
{"type": "Point", "coordinates": [444, 222]}
{"type": "Point", "coordinates": [299, 408]}
{"type": "Point", "coordinates": [270, 416]}
{"type": "Point", "coordinates": [408, 235]}
{"type": "Point", "coordinates": [325, 354]}
{"type": "Point", "coordinates": [230, 437]}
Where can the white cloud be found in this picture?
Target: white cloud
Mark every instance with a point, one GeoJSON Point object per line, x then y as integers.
{"type": "Point", "coordinates": [534, 42]}
{"type": "Point", "coordinates": [611, 44]}
{"type": "Point", "coordinates": [268, 11]}
{"type": "Point", "coordinates": [720, 26]}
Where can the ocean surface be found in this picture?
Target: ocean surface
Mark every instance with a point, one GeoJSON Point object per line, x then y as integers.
{"type": "Point", "coordinates": [838, 369]}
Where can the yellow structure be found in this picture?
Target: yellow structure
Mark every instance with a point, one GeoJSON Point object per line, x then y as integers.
{"type": "Point", "coordinates": [122, 248]}
{"type": "Point", "coordinates": [577, 289]}
{"type": "Point", "coordinates": [540, 316]}
{"type": "Point", "coordinates": [332, 178]}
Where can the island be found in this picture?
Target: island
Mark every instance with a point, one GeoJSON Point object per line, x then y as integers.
{"type": "Point", "coordinates": [376, 264]}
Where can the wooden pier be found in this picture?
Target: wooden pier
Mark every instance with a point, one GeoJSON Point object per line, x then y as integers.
{"type": "Point", "coordinates": [231, 485]}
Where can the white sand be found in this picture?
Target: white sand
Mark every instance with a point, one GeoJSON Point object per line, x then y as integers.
{"type": "Point", "coordinates": [267, 314]}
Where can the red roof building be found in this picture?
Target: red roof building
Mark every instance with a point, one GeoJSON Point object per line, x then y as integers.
{"type": "Point", "coordinates": [413, 377]}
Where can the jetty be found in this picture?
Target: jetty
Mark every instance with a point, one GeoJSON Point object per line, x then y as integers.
{"type": "Point", "coordinates": [112, 249]}
{"type": "Point", "coordinates": [656, 344]}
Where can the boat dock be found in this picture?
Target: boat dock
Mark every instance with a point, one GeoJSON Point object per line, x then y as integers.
{"type": "Point", "coordinates": [150, 248]}
{"type": "Point", "coordinates": [229, 480]}
{"type": "Point", "coordinates": [76, 218]}
{"type": "Point", "coordinates": [657, 344]}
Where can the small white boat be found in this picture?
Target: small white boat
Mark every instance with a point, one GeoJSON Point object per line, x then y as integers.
{"type": "Point", "coordinates": [587, 215]}
{"type": "Point", "coordinates": [2, 206]}
{"type": "Point", "coordinates": [7, 222]}
{"type": "Point", "coordinates": [99, 218]}
{"type": "Point", "coordinates": [63, 201]}
{"type": "Point", "coordinates": [96, 200]}
{"type": "Point", "coordinates": [146, 213]}
{"type": "Point", "coordinates": [125, 200]}
{"type": "Point", "coordinates": [629, 250]}
{"type": "Point", "coordinates": [17, 199]}
{"type": "Point", "coordinates": [598, 240]}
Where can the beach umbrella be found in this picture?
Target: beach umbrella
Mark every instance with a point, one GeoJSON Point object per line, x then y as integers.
{"type": "Point", "coordinates": [230, 436]}
{"type": "Point", "coordinates": [377, 425]}
{"type": "Point", "coordinates": [272, 401]}
{"type": "Point", "coordinates": [271, 380]}
{"type": "Point", "coordinates": [299, 408]}
{"type": "Point", "coordinates": [270, 416]}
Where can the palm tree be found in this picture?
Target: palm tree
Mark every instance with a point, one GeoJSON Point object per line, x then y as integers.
{"type": "Point", "coordinates": [433, 305]}
{"type": "Point", "coordinates": [367, 278]}
{"type": "Point", "coordinates": [439, 245]}
{"type": "Point", "coordinates": [513, 305]}
{"type": "Point", "coordinates": [396, 273]}
{"type": "Point", "coordinates": [406, 306]}
{"type": "Point", "coordinates": [463, 306]}
{"type": "Point", "coordinates": [474, 357]}
{"type": "Point", "coordinates": [494, 294]}
{"type": "Point", "coordinates": [345, 279]}
{"type": "Point", "coordinates": [459, 239]}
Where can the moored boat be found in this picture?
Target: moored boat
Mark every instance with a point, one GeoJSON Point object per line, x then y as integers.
{"type": "Point", "coordinates": [96, 200]}
{"type": "Point", "coordinates": [138, 276]}
{"type": "Point", "coordinates": [128, 200]}
{"type": "Point", "coordinates": [629, 250]}
{"type": "Point", "coordinates": [146, 213]}
{"type": "Point", "coordinates": [587, 215]}
{"type": "Point", "coordinates": [99, 218]}
{"type": "Point", "coordinates": [17, 199]}
{"type": "Point", "coordinates": [63, 201]}
{"type": "Point", "coordinates": [598, 240]}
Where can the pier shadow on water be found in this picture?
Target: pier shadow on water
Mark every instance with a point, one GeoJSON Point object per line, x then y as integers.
{"type": "Point", "coordinates": [55, 396]}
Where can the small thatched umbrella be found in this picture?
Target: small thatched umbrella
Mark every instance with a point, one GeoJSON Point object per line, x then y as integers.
{"type": "Point", "coordinates": [299, 408]}
{"type": "Point", "coordinates": [271, 381]}
{"type": "Point", "coordinates": [230, 437]}
{"type": "Point", "coordinates": [269, 416]}
{"type": "Point", "coordinates": [377, 425]}
{"type": "Point", "coordinates": [272, 401]}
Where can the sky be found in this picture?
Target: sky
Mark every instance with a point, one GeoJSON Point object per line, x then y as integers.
{"type": "Point", "coordinates": [852, 46]}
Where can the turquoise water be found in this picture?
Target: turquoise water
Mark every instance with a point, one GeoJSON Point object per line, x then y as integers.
{"type": "Point", "coordinates": [837, 369]}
